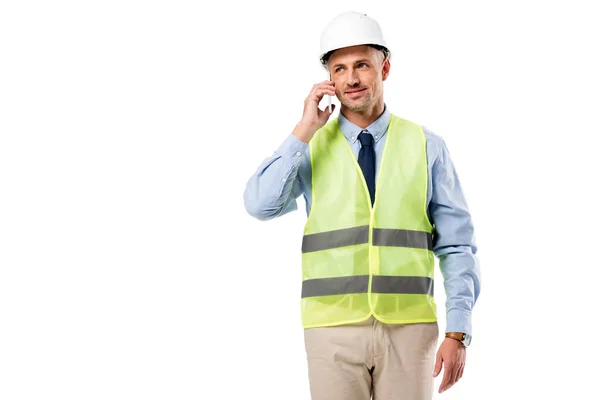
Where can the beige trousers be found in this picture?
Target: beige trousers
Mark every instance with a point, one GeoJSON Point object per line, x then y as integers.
{"type": "Point", "coordinates": [371, 358]}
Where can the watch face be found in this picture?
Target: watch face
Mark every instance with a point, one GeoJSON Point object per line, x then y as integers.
{"type": "Point", "coordinates": [466, 339]}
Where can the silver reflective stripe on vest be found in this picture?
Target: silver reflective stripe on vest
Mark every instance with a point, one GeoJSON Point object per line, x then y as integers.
{"type": "Point", "coordinates": [402, 284]}
{"type": "Point", "coordinates": [360, 284]}
{"type": "Point", "coordinates": [402, 238]}
{"type": "Point", "coordinates": [331, 286]}
{"type": "Point", "coordinates": [333, 239]}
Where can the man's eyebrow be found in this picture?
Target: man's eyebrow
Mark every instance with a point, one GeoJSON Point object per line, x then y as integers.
{"type": "Point", "coordinates": [355, 62]}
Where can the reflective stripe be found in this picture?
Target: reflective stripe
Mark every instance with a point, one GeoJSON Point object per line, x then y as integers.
{"type": "Point", "coordinates": [337, 238]}
{"type": "Point", "coordinates": [331, 286]}
{"type": "Point", "coordinates": [402, 284]}
{"type": "Point", "coordinates": [360, 234]}
{"type": "Point", "coordinates": [360, 284]}
{"type": "Point", "coordinates": [402, 238]}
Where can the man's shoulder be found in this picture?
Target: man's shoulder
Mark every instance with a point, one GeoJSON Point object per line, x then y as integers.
{"type": "Point", "coordinates": [434, 143]}
{"type": "Point", "coordinates": [431, 136]}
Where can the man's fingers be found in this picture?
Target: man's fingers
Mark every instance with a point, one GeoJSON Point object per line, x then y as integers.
{"type": "Point", "coordinates": [438, 365]}
{"type": "Point", "coordinates": [447, 377]}
{"type": "Point", "coordinates": [312, 116]}
{"type": "Point", "coordinates": [318, 93]}
{"type": "Point", "coordinates": [452, 373]}
{"type": "Point", "coordinates": [456, 370]}
{"type": "Point", "coordinates": [324, 86]}
{"type": "Point", "coordinates": [320, 89]}
{"type": "Point", "coordinates": [455, 374]}
{"type": "Point", "coordinates": [329, 91]}
{"type": "Point", "coordinates": [326, 110]}
{"type": "Point", "coordinates": [324, 89]}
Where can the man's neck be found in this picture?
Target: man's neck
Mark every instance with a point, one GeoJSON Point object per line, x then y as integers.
{"type": "Point", "coordinates": [363, 118]}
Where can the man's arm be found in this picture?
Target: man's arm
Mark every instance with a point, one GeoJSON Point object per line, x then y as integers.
{"type": "Point", "coordinates": [273, 189]}
{"type": "Point", "coordinates": [454, 245]}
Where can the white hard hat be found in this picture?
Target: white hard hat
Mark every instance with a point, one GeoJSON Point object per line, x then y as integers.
{"type": "Point", "coordinates": [350, 28]}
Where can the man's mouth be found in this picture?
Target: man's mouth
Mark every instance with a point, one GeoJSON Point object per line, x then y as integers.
{"type": "Point", "coordinates": [355, 92]}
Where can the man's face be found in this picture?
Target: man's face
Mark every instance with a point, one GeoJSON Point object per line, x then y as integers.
{"type": "Point", "coordinates": [358, 73]}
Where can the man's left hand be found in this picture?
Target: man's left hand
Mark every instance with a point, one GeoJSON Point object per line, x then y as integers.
{"type": "Point", "coordinates": [452, 354]}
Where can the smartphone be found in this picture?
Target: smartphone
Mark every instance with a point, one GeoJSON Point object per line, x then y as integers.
{"type": "Point", "coordinates": [328, 96]}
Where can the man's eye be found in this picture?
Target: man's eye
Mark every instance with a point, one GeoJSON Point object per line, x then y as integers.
{"type": "Point", "coordinates": [362, 64]}
{"type": "Point", "coordinates": [338, 69]}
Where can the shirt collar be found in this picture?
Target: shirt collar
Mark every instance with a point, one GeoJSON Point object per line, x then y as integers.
{"type": "Point", "coordinates": [378, 128]}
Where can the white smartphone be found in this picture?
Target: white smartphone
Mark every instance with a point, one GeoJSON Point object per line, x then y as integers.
{"type": "Point", "coordinates": [328, 96]}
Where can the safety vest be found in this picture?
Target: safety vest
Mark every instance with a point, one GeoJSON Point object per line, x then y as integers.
{"type": "Point", "coordinates": [360, 260]}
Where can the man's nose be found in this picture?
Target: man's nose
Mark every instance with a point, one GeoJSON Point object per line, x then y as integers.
{"type": "Point", "coordinates": [352, 78]}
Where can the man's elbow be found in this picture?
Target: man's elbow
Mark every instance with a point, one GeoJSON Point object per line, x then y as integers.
{"type": "Point", "coordinates": [257, 210]}
{"type": "Point", "coordinates": [258, 213]}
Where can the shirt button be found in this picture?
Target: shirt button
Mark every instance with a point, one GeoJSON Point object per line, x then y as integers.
{"type": "Point", "coordinates": [282, 179]}
{"type": "Point", "coordinates": [353, 137]}
{"type": "Point", "coordinates": [298, 154]}
{"type": "Point", "coordinates": [376, 136]}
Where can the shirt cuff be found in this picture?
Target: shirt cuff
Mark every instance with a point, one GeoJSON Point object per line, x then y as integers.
{"type": "Point", "coordinates": [458, 320]}
{"type": "Point", "coordinates": [292, 147]}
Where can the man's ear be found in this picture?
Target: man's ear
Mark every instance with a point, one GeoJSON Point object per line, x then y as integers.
{"type": "Point", "coordinates": [386, 68]}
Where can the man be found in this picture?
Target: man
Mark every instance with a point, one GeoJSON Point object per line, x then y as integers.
{"type": "Point", "coordinates": [382, 198]}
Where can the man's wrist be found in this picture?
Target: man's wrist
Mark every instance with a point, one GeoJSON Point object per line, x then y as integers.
{"type": "Point", "coordinates": [303, 132]}
{"type": "Point", "coordinates": [461, 337]}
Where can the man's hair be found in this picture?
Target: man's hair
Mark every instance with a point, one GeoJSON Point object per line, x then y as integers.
{"type": "Point", "coordinates": [384, 50]}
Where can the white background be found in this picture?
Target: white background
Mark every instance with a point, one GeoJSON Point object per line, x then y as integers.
{"type": "Point", "coordinates": [129, 266]}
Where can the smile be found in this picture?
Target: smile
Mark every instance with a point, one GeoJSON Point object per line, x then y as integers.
{"type": "Point", "coordinates": [355, 93]}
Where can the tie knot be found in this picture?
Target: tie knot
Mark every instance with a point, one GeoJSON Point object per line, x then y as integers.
{"type": "Point", "coordinates": [366, 139]}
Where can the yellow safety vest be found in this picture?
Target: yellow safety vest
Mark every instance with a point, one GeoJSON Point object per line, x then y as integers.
{"type": "Point", "coordinates": [360, 260]}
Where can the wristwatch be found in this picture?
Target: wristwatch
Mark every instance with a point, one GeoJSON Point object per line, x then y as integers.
{"type": "Point", "coordinates": [464, 338]}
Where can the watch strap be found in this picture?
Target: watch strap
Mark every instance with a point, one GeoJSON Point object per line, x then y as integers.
{"type": "Point", "coordinates": [460, 336]}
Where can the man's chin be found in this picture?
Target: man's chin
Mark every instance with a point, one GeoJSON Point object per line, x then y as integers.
{"type": "Point", "coordinates": [356, 107]}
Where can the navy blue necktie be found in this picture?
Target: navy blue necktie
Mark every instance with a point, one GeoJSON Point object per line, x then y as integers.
{"type": "Point", "coordinates": [366, 160]}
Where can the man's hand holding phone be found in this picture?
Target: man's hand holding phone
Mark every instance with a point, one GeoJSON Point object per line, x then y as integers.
{"type": "Point", "coordinates": [313, 118]}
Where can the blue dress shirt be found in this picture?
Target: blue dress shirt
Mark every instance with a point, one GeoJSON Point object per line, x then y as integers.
{"type": "Point", "coordinates": [286, 175]}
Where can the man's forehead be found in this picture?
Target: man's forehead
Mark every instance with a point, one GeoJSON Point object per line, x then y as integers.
{"type": "Point", "coordinates": [352, 54]}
